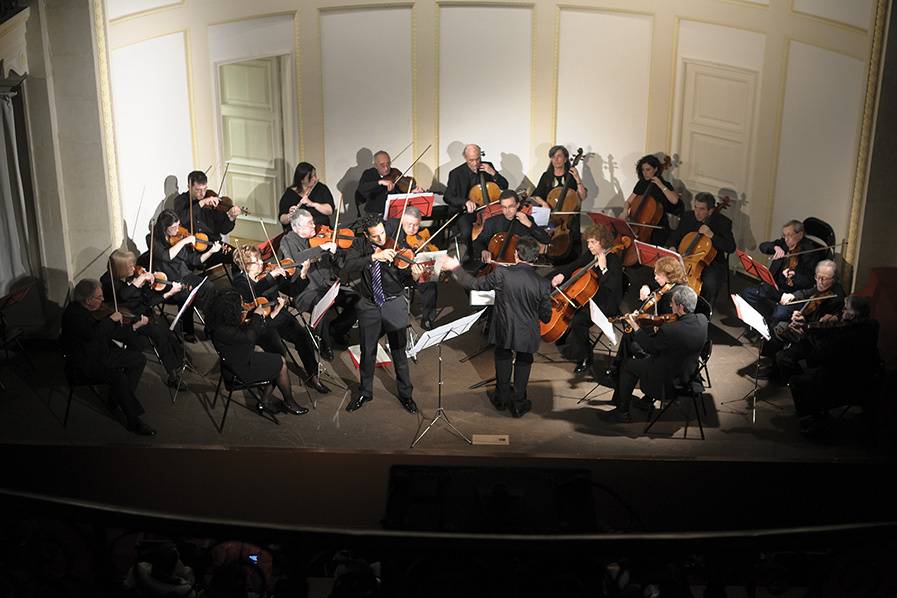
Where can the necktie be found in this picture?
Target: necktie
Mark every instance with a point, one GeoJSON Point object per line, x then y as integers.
{"type": "Point", "coordinates": [377, 284]}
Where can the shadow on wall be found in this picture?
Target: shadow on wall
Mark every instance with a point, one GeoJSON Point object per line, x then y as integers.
{"type": "Point", "coordinates": [741, 221]}
{"type": "Point", "coordinates": [511, 167]}
{"type": "Point", "coordinates": [35, 313]}
{"type": "Point", "coordinates": [348, 184]}
{"type": "Point", "coordinates": [455, 151]}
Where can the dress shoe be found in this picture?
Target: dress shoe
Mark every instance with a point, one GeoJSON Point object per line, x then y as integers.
{"type": "Point", "coordinates": [356, 403]}
{"type": "Point", "coordinates": [141, 428]}
{"type": "Point", "coordinates": [496, 402]}
{"type": "Point", "coordinates": [318, 385]}
{"type": "Point", "coordinates": [176, 384]}
{"type": "Point", "coordinates": [620, 415]}
{"type": "Point", "coordinates": [294, 408]}
{"type": "Point", "coordinates": [189, 338]}
{"type": "Point", "coordinates": [409, 405]}
{"type": "Point", "coordinates": [272, 407]}
{"type": "Point", "coordinates": [520, 408]}
{"type": "Point", "coordinates": [583, 366]}
{"type": "Point", "coordinates": [426, 323]}
{"type": "Point", "coordinates": [644, 403]}
{"type": "Point", "coordinates": [608, 378]}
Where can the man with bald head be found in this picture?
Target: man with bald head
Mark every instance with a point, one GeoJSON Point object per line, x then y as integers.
{"type": "Point", "coordinates": [376, 184]}
{"type": "Point", "coordinates": [460, 180]}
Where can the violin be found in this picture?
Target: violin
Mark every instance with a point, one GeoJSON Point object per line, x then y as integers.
{"type": "Point", "coordinates": [697, 250]}
{"type": "Point", "coordinates": [563, 199]}
{"type": "Point", "coordinates": [647, 210]}
{"type": "Point", "coordinates": [324, 234]}
{"type": "Point", "coordinates": [105, 310]}
{"type": "Point", "coordinates": [419, 239]}
{"type": "Point", "coordinates": [404, 256]}
{"type": "Point", "coordinates": [160, 280]}
{"type": "Point", "coordinates": [791, 331]}
{"type": "Point", "coordinates": [650, 302]}
{"type": "Point", "coordinates": [572, 295]}
{"type": "Point", "coordinates": [402, 184]}
{"type": "Point", "coordinates": [201, 243]}
{"type": "Point", "coordinates": [225, 203]}
{"type": "Point", "coordinates": [261, 306]}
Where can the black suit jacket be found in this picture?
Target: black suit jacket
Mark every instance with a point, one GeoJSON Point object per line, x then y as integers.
{"type": "Point", "coordinates": [673, 352]}
{"type": "Point", "coordinates": [499, 224]}
{"type": "Point", "coordinates": [87, 342]}
{"type": "Point", "coordinates": [806, 264]}
{"type": "Point", "coordinates": [206, 220]}
{"type": "Point", "coordinates": [723, 240]}
{"type": "Point", "coordinates": [610, 283]}
{"type": "Point", "coordinates": [521, 301]}
{"type": "Point", "coordinates": [461, 179]}
{"type": "Point", "coordinates": [370, 192]}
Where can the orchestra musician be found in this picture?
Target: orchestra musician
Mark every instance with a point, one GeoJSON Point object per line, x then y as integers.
{"type": "Point", "coordinates": [93, 357]}
{"type": "Point", "coordinates": [558, 172]}
{"type": "Point", "coordinates": [788, 320]}
{"type": "Point", "coordinates": [314, 278]}
{"type": "Point", "coordinates": [672, 353]}
{"type": "Point", "coordinates": [790, 274]}
{"type": "Point", "coordinates": [656, 299]}
{"type": "Point", "coordinates": [608, 297]}
{"type": "Point", "coordinates": [206, 219]}
{"type": "Point", "coordinates": [134, 294]}
{"type": "Point", "coordinates": [426, 290]}
{"type": "Point", "coordinates": [377, 183]}
{"type": "Point", "coordinates": [235, 339]}
{"type": "Point", "coordinates": [511, 214]}
{"type": "Point", "coordinates": [306, 192]}
{"type": "Point", "coordinates": [253, 283]}
{"type": "Point", "coordinates": [649, 170]}
{"type": "Point", "coordinates": [841, 345]}
{"type": "Point", "coordinates": [522, 299]}
{"type": "Point", "coordinates": [177, 261]}
{"type": "Point", "coordinates": [381, 308]}
{"type": "Point", "coordinates": [718, 228]}
{"type": "Point", "coordinates": [460, 181]}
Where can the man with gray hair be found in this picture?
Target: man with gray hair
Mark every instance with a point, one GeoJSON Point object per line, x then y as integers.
{"type": "Point", "coordinates": [377, 183]}
{"type": "Point", "coordinates": [672, 354]}
{"type": "Point", "coordinates": [91, 355]}
{"type": "Point", "coordinates": [426, 288]}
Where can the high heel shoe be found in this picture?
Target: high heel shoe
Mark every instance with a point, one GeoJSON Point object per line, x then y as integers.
{"type": "Point", "coordinates": [294, 408]}
{"type": "Point", "coordinates": [262, 407]}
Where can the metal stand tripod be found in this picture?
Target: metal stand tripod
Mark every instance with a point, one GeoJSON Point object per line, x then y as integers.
{"type": "Point", "coordinates": [440, 410]}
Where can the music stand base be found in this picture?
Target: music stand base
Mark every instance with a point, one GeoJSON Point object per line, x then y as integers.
{"type": "Point", "coordinates": [441, 414]}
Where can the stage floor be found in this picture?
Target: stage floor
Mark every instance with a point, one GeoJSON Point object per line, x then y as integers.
{"type": "Point", "coordinates": [33, 405]}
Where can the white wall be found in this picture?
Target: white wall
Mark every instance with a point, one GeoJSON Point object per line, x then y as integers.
{"type": "Point", "coordinates": [152, 124]}
{"type": "Point", "coordinates": [485, 74]}
{"type": "Point", "coordinates": [602, 103]}
{"type": "Point", "coordinates": [817, 152]}
{"type": "Point", "coordinates": [116, 9]}
{"type": "Point", "coordinates": [251, 38]}
{"type": "Point", "coordinates": [367, 92]}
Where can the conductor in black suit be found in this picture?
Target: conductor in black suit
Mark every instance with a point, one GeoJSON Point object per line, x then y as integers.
{"type": "Point", "coordinates": [672, 353]}
{"type": "Point", "coordinates": [521, 301]}
{"type": "Point", "coordinates": [461, 179]}
{"type": "Point", "coordinates": [719, 229]}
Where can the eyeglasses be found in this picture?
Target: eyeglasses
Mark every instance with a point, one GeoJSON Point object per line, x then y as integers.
{"type": "Point", "coordinates": [823, 278]}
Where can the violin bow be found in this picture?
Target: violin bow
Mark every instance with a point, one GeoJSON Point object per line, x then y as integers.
{"type": "Point", "coordinates": [112, 283]}
{"type": "Point", "coordinates": [416, 160]}
{"type": "Point", "coordinates": [152, 242]}
{"type": "Point", "coordinates": [799, 301]}
{"type": "Point", "coordinates": [401, 221]}
{"type": "Point", "coordinates": [246, 274]}
{"type": "Point", "coordinates": [339, 207]}
{"type": "Point", "coordinates": [438, 230]}
{"type": "Point", "coordinates": [223, 177]}
{"type": "Point", "coordinates": [403, 150]}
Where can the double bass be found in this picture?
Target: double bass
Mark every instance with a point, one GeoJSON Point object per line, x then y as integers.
{"type": "Point", "coordinates": [697, 250]}
{"type": "Point", "coordinates": [563, 199]}
{"type": "Point", "coordinates": [573, 294]}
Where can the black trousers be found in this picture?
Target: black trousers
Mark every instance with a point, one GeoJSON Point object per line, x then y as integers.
{"type": "Point", "coordinates": [713, 279]}
{"type": "Point", "coordinates": [504, 364]}
{"type": "Point", "coordinates": [373, 321]}
{"type": "Point", "coordinates": [763, 298]}
{"type": "Point", "coordinates": [464, 226]}
{"type": "Point", "coordinates": [631, 371]}
{"type": "Point", "coordinates": [121, 370]}
{"type": "Point", "coordinates": [579, 345]}
{"type": "Point", "coordinates": [168, 345]}
{"type": "Point", "coordinates": [427, 294]}
{"type": "Point", "coordinates": [286, 328]}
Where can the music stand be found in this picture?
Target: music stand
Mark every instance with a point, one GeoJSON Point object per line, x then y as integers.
{"type": "Point", "coordinates": [188, 304]}
{"type": "Point", "coordinates": [648, 254]}
{"type": "Point", "coordinates": [478, 298]}
{"type": "Point", "coordinates": [755, 268]}
{"type": "Point", "coordinates": [754, 319]}
{"type": "Point", "coordinates": [395, 204]}
{"type": "Point", "coordinates": [600, 320]}
{"type": "Point", "coordinates": [620, 227]}
{"type": "Point", "coordinates": [436, 337]}
{"type": "Point", "coordinates": [315, 318]}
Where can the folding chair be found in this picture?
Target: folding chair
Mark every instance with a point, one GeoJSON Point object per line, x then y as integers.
{"type": "Point", "coordinates": [693, 390]}
{"type": "Point", "coordinates": [235, 383]}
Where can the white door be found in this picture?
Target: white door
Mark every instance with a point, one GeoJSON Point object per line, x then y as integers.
{"type": "Point", "coordinates": [252, 134]}
{"type": "Point", "coordinates": [718, 106]}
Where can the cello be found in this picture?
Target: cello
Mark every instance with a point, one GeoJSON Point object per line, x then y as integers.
{"type": "Point", "coordinates": [562, 200]}
{"type": "Point", "coordinates": [645, 212]}
{"type": "Point", "coordinates": [697, 250]}
{"type": "Point", "coordinates": [573, 294]}
{"type": "Point", "coordinates": [483, 193]}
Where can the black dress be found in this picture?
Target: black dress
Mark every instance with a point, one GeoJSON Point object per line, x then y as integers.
{"type": "Point", "coordinates": [319, 194]}
{"type": "Point", "coordinates": [236, 345]}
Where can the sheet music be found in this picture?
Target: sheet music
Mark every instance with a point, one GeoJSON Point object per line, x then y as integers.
{"type": "Point", "coordinates": [750, 316]}
{"type": "Point", "coordinates": [445, 332]}
{"type": "Point", "coordinates": [540, 215]}
{"type": "Point", "coordinates": [317, 314]}
{"type": "Point", "coordinates": [482, 298]}
{"type": "Point", "coordinates": [187, 304]}
{"type": "Point", "coordinates": [601, 322]}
